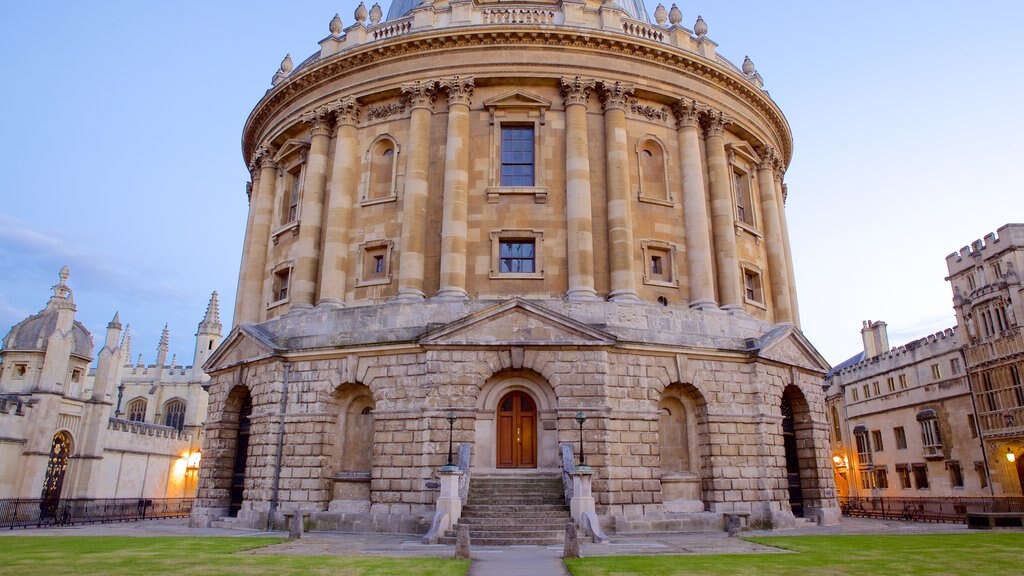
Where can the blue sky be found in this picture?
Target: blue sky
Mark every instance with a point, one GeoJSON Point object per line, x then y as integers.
{"type": "Point", "coordinates": [121, 126]}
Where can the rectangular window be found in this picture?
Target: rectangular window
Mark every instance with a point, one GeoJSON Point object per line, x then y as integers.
{"type": "Point", "coordinates": [878, 391]}
{"type": "Point", "coordinates": [517, 257]}
{"type": "Point", "coordinates": [517, 165]}
{"type": "Point", "coordinates": [920, 476]}
{"type": "Point", "coordinates": [904, 473]}
{"type": "Point", "coordinates": [657, 268]}
{"type": "Point", "coordinates": [903, 381]}
{"type": "Point", "coordinates": [863, 448]}
{"type": "Point", "coordinates": [930, 439]}
{"type": "Point", "coordinates": [991, 396]}
{"type": "Point", "coordinates": [979, 469]}
{"type": "Point", "coordinates": [744, 210]}
{"type": "Point", "coordinates": [752, 286]}
{"type": "Point", "coordinates": [876, 439]}
{"type": "Point", "coordinates": [954, 366]}
{"type": "Point", "coordinates": [1018, 386]}
{"type": "Point", "coordinates": [956, 475]}
{"type": "Point", "coordinates": [881, 478]}
{"type": "Point", "coordinates": [973, 425]}
{"type": "Point", "coordinates": [281, 279]}
{"type": "Point", "coordinates": [854, 394]}
{"type": "Point", "coordinates": [866, 479]}
{"type": "Point", "coordinates": [901, 437]}
{"type": "Point", "coordinates": [891, 383]}
{"type": "Point", "coordinates": [867, 391]}
{"type": "Point", "coordinates": [375, 263]}
{"type": "Point", "coordinates": [290, 207]}
{"type": "Point", "coordinates": [935, 372]}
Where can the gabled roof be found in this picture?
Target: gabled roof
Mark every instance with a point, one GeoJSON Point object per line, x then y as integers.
{"type": "Point", "coordinates": [788, 344]}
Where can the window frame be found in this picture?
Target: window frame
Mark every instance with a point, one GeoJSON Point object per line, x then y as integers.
{"type": "Point", "coordinates": [644, 193]}
{"type": "Point", "coordinates": [179, 421]}
{"type": "Point", "coordinates": [283, 270]}
{"type": "Point", "coordinates": [512, 235]}
{"type": "Point", "coordinates": [368, 182]}
{"type": "Point", "coordinates": [504, 155]}
{"type": "Point", "coordinates": [517, 108]}
{"type": "Point", "coordinates": [129, 412]}
{"type": "Point", "coordinates": [668, 251]}
{"type": "Point", "coordinates": [749, 270]}
{"type": "Point", "coordinates": [364, 275]}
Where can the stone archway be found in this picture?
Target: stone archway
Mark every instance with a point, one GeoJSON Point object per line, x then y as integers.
{"type": "Point", "coordinates": [497, 390]}
{"type": "Point", "coordinates": [516, 445]}
{"type": "Point", "coordinates": [682, 428]}
{"type": "Point", "coordinates": [56, 466]}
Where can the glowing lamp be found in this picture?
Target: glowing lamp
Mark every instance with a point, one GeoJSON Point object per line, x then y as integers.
{"type": "Point", "coordinates": [1010, 457]}
{"type": "Point", "coordinates": [193, 461]}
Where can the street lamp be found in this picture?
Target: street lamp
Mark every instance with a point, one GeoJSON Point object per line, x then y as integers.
{"type": "Point", "coordinates": [580, 419]}
{"type": "Point", "coordinates": [1010, 457]}
{"type": "Point", "coordinates": [451, 427]}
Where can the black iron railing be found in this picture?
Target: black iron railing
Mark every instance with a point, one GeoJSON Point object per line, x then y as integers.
{"type": "Point", "coordinates": [25, 513]}
{"type": "Point", "coordinates": [928, 509]}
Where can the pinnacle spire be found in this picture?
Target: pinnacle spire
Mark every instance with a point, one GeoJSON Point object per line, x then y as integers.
{"type": "Point", "coordinates": [211, 322]}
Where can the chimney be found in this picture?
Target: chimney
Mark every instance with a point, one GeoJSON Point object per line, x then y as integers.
{"type": "Point", "coordinates": [876, 338]}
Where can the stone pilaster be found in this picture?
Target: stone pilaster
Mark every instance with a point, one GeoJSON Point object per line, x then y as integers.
{"type": "Point", "coordinates": [578, 211]}
{"type": "Point", "coordinates": [695, 214]}
{"type": "Point", "coordinates": [722, 218]}
{"type": "Point", "coordinates": [777, 271]}
{"type": "Point", "coordinates": [621, 260]}
{"type": "Point", "coordinates": [780, 196]}
{"type": "Point", "coordinates": [456, 189]}
{"type": "Point", "coordinates": [307, 249]}
{"type": "Point", "coordinates": [335, 263]}
{"type": "Point", "coordinates": [420, 99]}
{"type": "Point", "coordinates": [250, 189]}
{"type": "Point", "coordinates": [258, 241]}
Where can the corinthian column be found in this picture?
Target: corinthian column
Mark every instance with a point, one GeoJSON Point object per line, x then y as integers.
{"type": "Point", "coordinates": [578, 211]}
{"type": "Point", "coordinates": [777, 272]}
{"type": "Point", "coordinates": [620, 206]}
{"type": "Point", "coordinates": [695, 211]}
{"type": "Point", "coordinates": [456, 189]}
{"type": "Point", "coordinates": [781, 192]}
{"type": "Point", "coordinates": [722, 210]}
{"type": "Point", "coordinates": [307, 248]}
{"type": "Point", "coordinates": [250, 188]}
{"type": "Point", "coordinates": [335, 261]}
{"type": "Point", "coordinates": [261, 207]}
{"type": "Point", "coordinates": [420, 97]}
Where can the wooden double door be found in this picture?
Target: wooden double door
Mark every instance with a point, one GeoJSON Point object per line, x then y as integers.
{"type": "Point", "coordinates": [517, 431]}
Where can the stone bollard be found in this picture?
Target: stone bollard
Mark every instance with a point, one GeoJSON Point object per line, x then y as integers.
{"type": "Point", "coordinates": [462, 542]}
{"type": "Point", "coordinates": [297, 524]}
{"type": "Point", "coordinates": [572, 543]}
{"type": "Point", "coordinates": [733, 524]}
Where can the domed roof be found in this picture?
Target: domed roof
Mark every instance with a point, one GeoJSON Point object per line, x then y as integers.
{"type": "Point", "coordinates": [33, 333]}
{"type": "Point", "coordinates": [635, 8]}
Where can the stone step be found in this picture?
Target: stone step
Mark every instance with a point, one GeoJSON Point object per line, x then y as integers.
{"type": "Point", "coordinates": [513, 501]}
{"type": "Point", "coordinates": [506, 510]}
{"type": "Point", "coordinates": [475, 534]}
{"type": "Point", "coordinates": [556, 525]}
{"type": "Point", "coordinates": [543, 541]}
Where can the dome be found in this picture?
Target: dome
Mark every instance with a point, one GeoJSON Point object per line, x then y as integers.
{"type": "Point", "coordinates": [33, 333]}
{"type": "Point", "coordinates": [635, 8]}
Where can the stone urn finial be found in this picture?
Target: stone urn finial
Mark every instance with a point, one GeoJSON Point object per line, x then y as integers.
{"type": "Point", "coordinates": [283, 71]}
{"type": "Point", "coordinates": [335, 26]}
{"type": "Point", "coordinates": [748, 66]}
{"type": "Point", "coordinates": [660, 15]}
{"type": "Point", "coordinates": [361, 13]}
{"type": "Point", "coordinates": [700, 27]}
{"type": "Point", "coordinates": [675, 16]}
{"type": "Point", "coordinates": [376, 13]}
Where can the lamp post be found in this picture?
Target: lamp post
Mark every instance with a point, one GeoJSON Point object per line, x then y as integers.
{"type": "Point", "coordinates": [1010, 456]}
{"type": "Point", "coordinates": [580, 419]}
{"type": "Point", "coordinates": [451, 427]}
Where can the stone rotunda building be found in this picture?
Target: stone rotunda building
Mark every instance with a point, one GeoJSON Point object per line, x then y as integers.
{"type": "Point", "coordinates": [512, 213]}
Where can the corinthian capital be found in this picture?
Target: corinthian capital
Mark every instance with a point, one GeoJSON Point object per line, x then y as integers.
{"type": "Point", "coordinates": [346, 110]}
{"type": "Point", "coordinates": [320, 120]}
{"type": "Point", "coordinates": [459, 89]}
{"type": "Point", "coordinates": [769, 158]}
{"type": "Point", "coordinates": [687, 112]}
{"type": "Point", "coordinates": [576, 90]}
{"type": "Point", "coordinates": [615, 94]}
{"type": "Point", "coordinates": [714, 122]}
{"type": "Point", "coordinates": [420, 94]}
{"type": "Point", "coordinates": [263, 157]}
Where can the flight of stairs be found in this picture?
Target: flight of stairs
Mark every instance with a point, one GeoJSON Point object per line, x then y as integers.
{"type": "Point", "coordinates": [509, 510]}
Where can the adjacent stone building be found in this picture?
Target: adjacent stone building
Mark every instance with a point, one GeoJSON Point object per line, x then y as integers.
{"type": "Point", "coordinates": [512, 214]}
{"type": "Point", "coordinates": [941, 416]}
{"type": "Point", "coordinates": [118, 431]}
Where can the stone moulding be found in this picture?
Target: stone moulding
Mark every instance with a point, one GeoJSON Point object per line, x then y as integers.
{"type": "Point", "coordinates": [675, 59]}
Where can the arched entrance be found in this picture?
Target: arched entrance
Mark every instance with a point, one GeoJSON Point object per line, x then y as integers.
{"type": "Point", "coordinates": [517, 431]}
{"type": "Point", "coordinates": [1020, 470]}
{"type": "Point", "coordinates": [56, 466]}
{"type": "Point", "coordinates": [237, 493]}
{"type": "Point", "coordinates": [796, 496]}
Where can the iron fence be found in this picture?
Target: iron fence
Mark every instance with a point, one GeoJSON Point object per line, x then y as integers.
{"type": "Point", "coordinates": [928, 509]}
{"type": "Point", "coordinates": [34, 512]}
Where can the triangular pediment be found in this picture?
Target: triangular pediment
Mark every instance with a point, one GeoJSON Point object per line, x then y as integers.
{"type": "Point", "coordinates": [788, 345]}
{"type": "Point", "coordinates": [292, 146]}
{"type": "Point", "coordinates": [517, 322]}
{"type": "Point", "coordinates": [243, 344]}
{"type": "Point", "coordinates": [517, 99]}
{"type": "Point", "coordinates": [743, 150]}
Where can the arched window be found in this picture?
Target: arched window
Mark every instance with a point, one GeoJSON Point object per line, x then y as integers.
{"type": "Point", "coordinates": [382, 165]}
{"type": "Point", "coordinates": [137, 410]}
{"type": "Point", "coordinates": [651, 162]}
{"type": "Point", "coordinates": [174, 414]}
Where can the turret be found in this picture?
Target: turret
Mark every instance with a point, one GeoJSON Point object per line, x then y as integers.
{"type": "Point", "coordinates": [108, 366]}
{"type": "Point", "coordinates": [208, 337]}
{"type": "Point", "coordinates": [60, 342]}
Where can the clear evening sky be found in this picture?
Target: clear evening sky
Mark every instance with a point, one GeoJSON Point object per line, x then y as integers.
{"type": "Point", "coordinates": [121, 124]}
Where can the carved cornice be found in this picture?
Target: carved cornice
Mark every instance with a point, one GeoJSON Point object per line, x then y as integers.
{"type": "Point", "coordinates": [420, 94]}
{"type": "Point", "coordinates": [687, 112]}
{"type": "Point", "coordinates": [459, 89]}
{"type": "Point", "coordinates": [714, 122]}
{"type": "Point", "coordinates": [673, 60]}
{"type": "Point", "coordinates": [346, 110]}
{"type": "Point", "coordinates": [576, 90]}
{"type": "Point", "coordinates": [615, 95]}
{"type": "Point", "coordinates": [263, 157]}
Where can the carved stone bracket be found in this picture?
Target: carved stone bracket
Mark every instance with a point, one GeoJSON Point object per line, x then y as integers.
{"type": "Point", "coordinates": [615, 94]}
{"type": "Point", "coordinates": [577, 90]}
{"type": "Point", "coordinates": [459, 89]}
{"type": "Point", "coordinates": [420, 94]}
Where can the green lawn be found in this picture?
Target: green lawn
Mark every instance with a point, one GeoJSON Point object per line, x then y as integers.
{"type": "Point", "coordinates": [211, 556]}
{"type": "Point", "coordinates": [971, 554]}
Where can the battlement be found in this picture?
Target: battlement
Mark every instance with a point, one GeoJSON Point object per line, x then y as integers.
{"type": "Point", "coordinates": [898, 356]}
{"type": "Point", "coordinates": [1006, 237]}
{"type": "Point", "coordinates": [142, 428]}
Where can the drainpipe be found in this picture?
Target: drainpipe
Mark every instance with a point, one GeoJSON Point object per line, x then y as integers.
{"type": "Point", "coordinates": [977, 423]}
{"type": "Point", "coordinates": [280, 446]}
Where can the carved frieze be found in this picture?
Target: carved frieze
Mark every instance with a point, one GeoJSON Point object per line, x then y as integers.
{"type": "Point", "coordinates": [649, 112]}
{"type": "Point", "coordinates": [383, 111]}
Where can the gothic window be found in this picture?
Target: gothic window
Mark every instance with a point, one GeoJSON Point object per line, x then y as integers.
{"type": "Point", "coordinates": [174, 414]}
{"type": "Point", "coordinates": [930, 439]}
{"type": "Point", "coordinates": [1018, 386]}
{"type": "Point", "coordinates": [137, 410]}
{"type": "Point", "coordinates": [383, 171]}
{"type": "Point", "coordinates": [517, 254]}
{"type": "Point", "coordinates": [517, 156]}
{"type": "Point", "coordinates": [863, 446]}
{"type": "Point", "coordinates": [653, 173]}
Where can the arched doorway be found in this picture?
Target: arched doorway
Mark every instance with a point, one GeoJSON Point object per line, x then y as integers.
{"type": "Point", "coordinates": [517, 431]}
{"type": "Point", "coordinates": [1020, 470]}
{"type": "Point", "coordinates": [237, 493]}
{"type": "Point", "coordinates": [796, 496]}
{"type": "Point", "coordinates": [56, 466]}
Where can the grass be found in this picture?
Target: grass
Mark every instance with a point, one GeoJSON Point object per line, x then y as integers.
{"type": "Point", "coordinates": [210, 556]}
{"type": "Point", "coordinates": [970, 554]}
